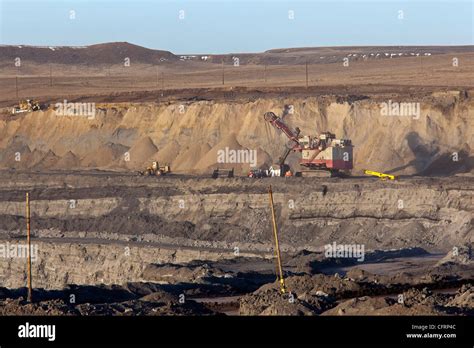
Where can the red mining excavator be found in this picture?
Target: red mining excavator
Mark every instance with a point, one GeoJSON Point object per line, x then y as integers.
{"type": "Point", "coordinates": [321, 155]}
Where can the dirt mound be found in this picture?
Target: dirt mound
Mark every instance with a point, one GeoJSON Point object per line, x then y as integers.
{"type": "Point", "coordinates": [48, 161]}
{"type": "Point", "coordinates": [187, 158]}
{"type": "Point", "coordinates": [166, 154]}
{"type": "Point", "coordinates": [211, 157]}
{"type": "Point", "coordinates": [104, 156]}
{"type": "Point", "coordinates": [68, 161]}
{"type": "Point", "coordinates": [410, 302]}
{"type": "Point", "coordinates": [464, 298]}
{"type": "Point", "coordinates": [272, 302]}
{"type": "Point", "coordinates": [331, 285]}
{"type": "Point", "coordinates": [463, 255]}
{"type": "Point", "coordinates": [229, 153]}
{"type": "Point", "coordinates": [360, 306]}
{"type": "Point", "coordinates": [140, 153]}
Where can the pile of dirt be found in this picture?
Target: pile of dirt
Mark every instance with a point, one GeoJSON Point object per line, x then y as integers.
{"type": "Point", "coordinates": [464, 298]}
{"type": "Point", "coordinates": [139, 153]}
{"type": "Point", "coordinates": [463, 255]}
{"type": "Point", "coordinates": [411, 302]}
{"type": "Point", "coordinates": [104, 156]}
{"type": "Point", "coordinates": [272, 302]}
{"type": "Point", "coordinates": [210, 158]}
{"type": "Point", "coordinates": [48, 161]}
{"type": "Point", "coordinates": [68, 161]}
{"type": "Point", "coordinates": [189, 156]}
{"type": "Point", "coordinates": [166, 154]}
{"type": "Point", "coordinates": [360, 306]}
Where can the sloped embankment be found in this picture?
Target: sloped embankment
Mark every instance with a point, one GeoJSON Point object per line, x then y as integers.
{"type": "Point", "coordinates": [188, 134]}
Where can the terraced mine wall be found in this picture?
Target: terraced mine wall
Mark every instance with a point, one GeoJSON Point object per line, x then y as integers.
{"type": "Point", "coordinates": [107, 228]}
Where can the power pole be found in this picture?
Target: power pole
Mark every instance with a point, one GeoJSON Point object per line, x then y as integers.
{"type": "Point", "coordinates": [223, 72]}
{"type": "Point", "coordinates": [306, 73]}
{"type": "Point", "coordinates": [28, 240]}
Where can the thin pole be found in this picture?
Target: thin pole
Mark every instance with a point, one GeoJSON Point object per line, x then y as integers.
{"type": "Point", "coordinates": [223, 71]}
{"type": "Point", "coordinates": [16, 86]}
{"type": "Point", "coordinates": [277, 244]}
{"type": "Point", "coordinates": [306, 74]}
{"type": "Point", "coordinates": [30, 297]}
{"type": "Point", "coordinates": [265, 73]}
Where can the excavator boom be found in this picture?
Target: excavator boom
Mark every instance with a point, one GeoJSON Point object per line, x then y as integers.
{"type": "Point", "coordinates": [278, 123]}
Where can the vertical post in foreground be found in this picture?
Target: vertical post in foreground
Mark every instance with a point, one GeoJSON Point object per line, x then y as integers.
{"type": "Point", "coordinates": [30, 298]}
{"type": "Point", "coordinates": [277, 244]}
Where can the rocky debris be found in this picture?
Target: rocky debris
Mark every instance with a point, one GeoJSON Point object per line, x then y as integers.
{"type": "Point", "coordinates": [332, 285]}
{"type": "Point", "coordinates": [360, 306]}
{"type": "Point", "coordinates": [133, 299]}
{"type": "Point", "coordinates": [272, 302]}
{"type": "Point", "coordinates": [172, 273]}
{"type": "Point", "coordinates": [463, 255]}
{"type": "Point", "coordinates": [20, 306]}
{"type": "Point", "coordinates": [150, 305]}
{"type": "Point", "coordinates": [206, 278]}
{"type": "Point", "coordinates": [410, 302]}
{"type": "Point", "coordinates": [464, 298]}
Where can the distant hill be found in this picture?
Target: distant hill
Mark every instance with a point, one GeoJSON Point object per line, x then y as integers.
{"type": "Point", "coordinates": [107, 53]}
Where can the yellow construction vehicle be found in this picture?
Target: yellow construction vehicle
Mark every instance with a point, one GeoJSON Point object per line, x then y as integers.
{"type": "Point", "coordinates": [280, 276]}
{"type": "Point", "coordinates": [155, 169]}
{"type": "Point", "coordinates": [26, 105]}
{"type": "Point", "coordinates": [382, 176]}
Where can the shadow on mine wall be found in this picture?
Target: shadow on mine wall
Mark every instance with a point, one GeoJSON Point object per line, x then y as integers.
{"type": "Point", "coordinates": [429, 161]}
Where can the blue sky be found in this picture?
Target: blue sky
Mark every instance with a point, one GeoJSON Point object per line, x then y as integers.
{"type": "Point", "coordinates": [237, 26]}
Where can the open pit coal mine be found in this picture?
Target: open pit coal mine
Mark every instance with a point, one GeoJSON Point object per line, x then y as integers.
{"type": "Point", "coordinates": [108, 241]}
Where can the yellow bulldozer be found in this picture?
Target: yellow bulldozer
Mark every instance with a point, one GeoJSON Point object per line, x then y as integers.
{"type": "Point", "coordinates": [26, 105]}
{"type": "Point", "coordinates": [155, 170]}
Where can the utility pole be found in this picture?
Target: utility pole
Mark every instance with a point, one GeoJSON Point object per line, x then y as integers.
{"type": "Point", "coordinates": [306, 73]}
{"type": "Point", "coordinates": [223, 72]}
{"type": "Point", "coordinates": [265, 73]}
{"type": "Point", "coordinates": [30, 297]}
{"type": "Point", "coordinates": [277, 244]}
